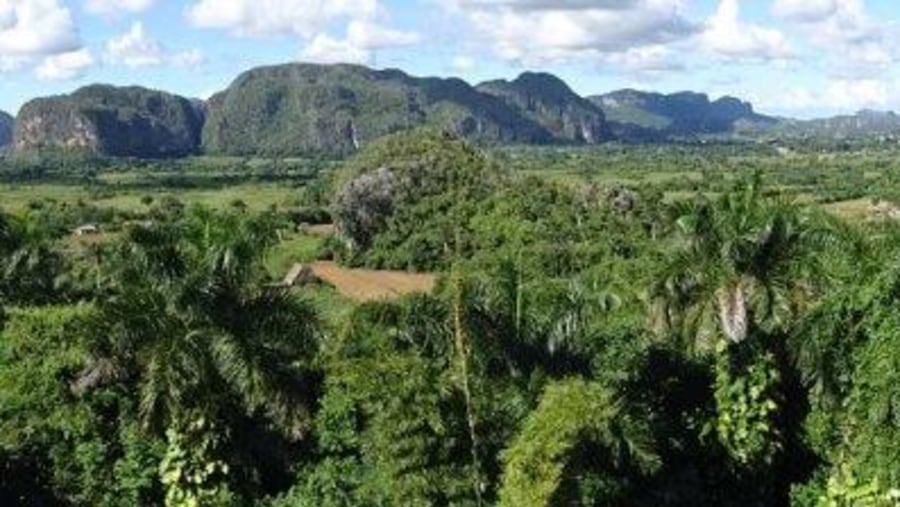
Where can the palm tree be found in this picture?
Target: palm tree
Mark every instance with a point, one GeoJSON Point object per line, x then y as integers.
{"type": "Point", "coordinates": [189, 315]}
{"type": "Point", "coordinates": [744, 269]}
{"type": "Point", "coordinates": [30, 268]}
{"type": "Point", "coordinates": [744, 260]}
{"type": "Point", "coordinates": [867, 264]}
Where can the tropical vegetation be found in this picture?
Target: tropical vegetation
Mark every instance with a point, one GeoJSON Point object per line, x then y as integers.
{"type": "Point", "coordinates": [642, 342]}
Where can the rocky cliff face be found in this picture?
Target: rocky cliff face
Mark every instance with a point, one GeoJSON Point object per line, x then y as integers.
{"type": "Point", "coordinates": [7, 124]}
{"type": "Point", "coordinates": [549, 102]}
{"type": "Point", "coordinates": [111, 121]}
{"type": "Point", "coordinates": [638, 115]}
{"type": "Point", "coordinates": [334, 109]}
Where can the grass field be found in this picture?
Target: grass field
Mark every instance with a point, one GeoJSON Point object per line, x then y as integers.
{"type": "Point", "coordinates": [294, 249]}
{"type": "Point", "coordinates": [854, 209]}
{"type": "Point", "coordinates": [256, 196]}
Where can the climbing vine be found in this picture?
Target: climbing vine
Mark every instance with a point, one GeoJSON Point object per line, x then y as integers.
{"type": "Point", "coordinates": [190, 471]}
{"type": "Point", "coordinates": [747, 393]}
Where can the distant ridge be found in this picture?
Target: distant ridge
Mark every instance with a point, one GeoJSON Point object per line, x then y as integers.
{"type": "Point", "coordinates": [110, 121]}
{"type": "Point", "coordinates": [302, 109]}
{"type": "Point", "coordinates": [638, 115]}
{"type": "Point", "coordinates": [332, 109]}
{"type": "Point", "coordinates": [863, 124]}
{"type": "Point", "coordinates": [549, 102]}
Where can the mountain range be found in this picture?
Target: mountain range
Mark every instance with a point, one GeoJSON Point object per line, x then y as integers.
{"type": "Point", "coordinates": [331, 110]}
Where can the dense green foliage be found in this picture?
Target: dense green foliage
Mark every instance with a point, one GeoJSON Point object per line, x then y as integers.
{"type": "Point", "coordinates": [601, 334]}
{"type": "Point", "coordinates": [572, 413]}
{"type": "Point", "coordinates": [408, 191]}
{"type": "Point", "coordinates": [31, 270]}
{"type": "Point", "coordinates": [105, 120]}
{"type": "Point", "coordinates": [168, 352]}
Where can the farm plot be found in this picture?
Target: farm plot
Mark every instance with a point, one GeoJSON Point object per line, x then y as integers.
{"type": "Point", "coordinates": [369, 285]}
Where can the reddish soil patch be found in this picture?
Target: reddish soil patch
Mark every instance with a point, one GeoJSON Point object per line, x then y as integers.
{"type": "Point", "coordinates": [369, 285]}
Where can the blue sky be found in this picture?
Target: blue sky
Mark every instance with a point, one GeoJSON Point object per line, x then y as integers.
{"type": "Point", "coordinates": [789, 57]}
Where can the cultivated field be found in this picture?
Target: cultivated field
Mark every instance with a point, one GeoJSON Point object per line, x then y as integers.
{"type": "Point", "coordinates": [371, 285]}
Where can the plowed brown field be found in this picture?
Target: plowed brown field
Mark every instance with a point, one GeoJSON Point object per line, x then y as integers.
{"type": "Point", "coordinates": [368, 285]}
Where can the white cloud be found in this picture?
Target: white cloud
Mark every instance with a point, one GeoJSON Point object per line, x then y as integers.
{"type": "Point", "coordinates": [790, 99]}
{"type": "Point", "coordinates": [326, 49]}
{"type": "Point", "coordinates": [837, 95]}
{"type": "Point", "coordinates": [310, 21]}
{"type": "Point", "coordinates": [12, 63]}
{"type": "Point", "coordinates": [847, 33]}
{"type": "Point", "coordinates": [870, 53]}
{"type": "Point", "coordinates": [113, 7]}
{"type": "Point", "coordinates": [849, 94]}
{"type": "Point", "coordinates": [374, 36]}
{"type": "Point", "coordinates": [849, 23]}
{"type": "Point", "coordinates": [35, 28]}
{"type": "Point", "coordinates": [135, 49]}
{"type": "Point", "coordinates": [727, 35]}
{"type": "Point", "coordinates": [801, 98]}
{"type": "Point", "coordinates": [302, 18]}
{"type": "Point", "coordinates": [65, 66]}
{"type": "Point", "coordinates": [804, 10]}
{"type": "Point", "coordinates": [653, 58]}
{"type": "Point", "coordinates": [462, 63]}
{"type": "Point", "coordinates": [538, 31]}
{"type": "Point", "coordinates": [551, 4]}
{"type": "Point", "coordinates": [359, 46]}
{"type": "Point", "coordinates": [190, 58]}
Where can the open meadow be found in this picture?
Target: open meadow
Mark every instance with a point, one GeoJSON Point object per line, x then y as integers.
{"type": "Point", "coordinates": [854, 177]}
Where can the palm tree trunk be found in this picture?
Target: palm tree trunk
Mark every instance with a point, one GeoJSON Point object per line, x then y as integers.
{"type": "Point", "coordinates": [463, 352]}
{"type": "Point", "coordinates": [733, 313]}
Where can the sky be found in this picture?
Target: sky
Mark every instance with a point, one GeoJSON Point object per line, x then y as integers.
{"type": "Point", "coordinates": [798, 58]}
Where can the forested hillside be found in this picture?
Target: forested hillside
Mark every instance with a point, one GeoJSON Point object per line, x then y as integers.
{"type": "Point", "coordinates": [549, 102]}
{"type": "Point", "coordinates": [110, 121]}
{"type": "Point", "coordinates": [332, 110]}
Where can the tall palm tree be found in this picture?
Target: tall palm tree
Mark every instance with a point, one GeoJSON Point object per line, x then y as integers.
{"type": "Point", "coordinates": [744, 269]}
{"type": "Point", "coordinates": [189, 315]}
{"type": "Point", "coordinates": [743, 260]}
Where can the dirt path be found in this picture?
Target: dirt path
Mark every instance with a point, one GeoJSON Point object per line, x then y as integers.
{"type": "Point", "coordinates": [368, 285]}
